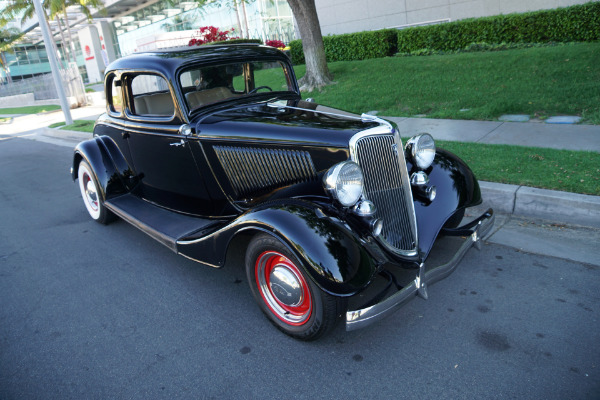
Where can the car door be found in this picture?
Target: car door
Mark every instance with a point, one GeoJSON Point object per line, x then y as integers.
{"type": "Point", "coordinates": [161, 153]}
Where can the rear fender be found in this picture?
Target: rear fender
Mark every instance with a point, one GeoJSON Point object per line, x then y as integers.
{"type": "Point", "coordinates": [334, 257]}
{"type": "Point", "coordinates": [112, 171]}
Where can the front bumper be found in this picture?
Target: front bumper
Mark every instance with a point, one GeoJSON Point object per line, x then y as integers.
{"type": "Point", "coordinates": [476, 230]}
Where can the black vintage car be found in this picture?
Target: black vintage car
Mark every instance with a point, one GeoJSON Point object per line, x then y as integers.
{"type": "Point", "coordinates": [209, 146]}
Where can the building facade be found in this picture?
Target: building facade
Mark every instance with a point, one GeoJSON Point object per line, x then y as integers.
{"type": "Point", "coordinates": [346, 16]}
{"type": "Point", "coordinates": [130, 26]}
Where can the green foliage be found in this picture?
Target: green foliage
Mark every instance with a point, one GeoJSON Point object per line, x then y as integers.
{"type": "Point", "coordinates": [475, 47]}
{"type": "Point", "coordinates": [79, 125]}
{"type": "Point", "coordinates": [575, 23]}
{"type": "Point", "coordinates": [7, 37]}
{"type": "Point", "coordinates": [537, 81]}
{"type": "Point", "coordinates": [296, 52]}
{"type": "Point", "coordinates": [352, 46]}
{"type": "Point", "coordinates": [28, 109]}
{"type": "Point", "coordinates": [579, 23]}
{"type": "Point", "coordinates": [570, 171]}
{"type": "Point", "coordinates": [360, 45]}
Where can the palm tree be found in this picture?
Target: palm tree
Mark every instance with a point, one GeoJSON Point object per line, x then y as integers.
{"type": "Point", "coordinates": [7, 38]}
{"type": "Point", "coordinates": [60, 7]}
{"type": "Point", "coordinates": [24, 9]}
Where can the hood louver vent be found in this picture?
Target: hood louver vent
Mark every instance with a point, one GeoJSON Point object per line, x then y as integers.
{"type": "Point", "coordinates": [251, 170]}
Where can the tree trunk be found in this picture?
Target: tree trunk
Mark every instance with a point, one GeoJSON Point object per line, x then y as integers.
{"type": "Point", "coordinates": [237, 14]}
{"type": "Point", "coordinates": [71, 47]}
{"type": "Point", "coordinates": [62, 38]}
{"type": "Point", "coordinates": [245, 18]}
{"type": "Point", "coordinates": [317, 74]}
{"type": "Point", "coordinates": [5, 67]}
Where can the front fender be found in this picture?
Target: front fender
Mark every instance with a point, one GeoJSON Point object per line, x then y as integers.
{"type": "Point", "coordinates": [332, 255]}
{"type": "Point", "coordinates": [112, 171]}
{"type": "Point", "coordinates": [456, 187]}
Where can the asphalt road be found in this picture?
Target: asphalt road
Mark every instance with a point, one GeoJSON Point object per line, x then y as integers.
{"type": "Point", "coordinates": [97, 312]}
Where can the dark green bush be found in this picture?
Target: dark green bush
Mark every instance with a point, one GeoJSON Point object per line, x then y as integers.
{"type": "Point", "coordinates": [361, 45]}
{"type": "Point", "coordinates": [296, 52]}
{"type": "Point", "coordinates": [352, 46]}
{"type": "Point", "coordinates": [579, 23]}
{"type": "Point", "coordinates": [575, 23]}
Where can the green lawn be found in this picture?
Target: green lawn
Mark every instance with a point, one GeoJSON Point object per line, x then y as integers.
{"type": "Point", "coordinates": [28, 109]}
{"type": "Point", "coordinates": [561, 80]}
{"type": "Point", "coordinates": [80, 125]}
{"type": "Point", "coordinates": [541, 81]}
{"type": "Point", "coordinates": [570, 171]}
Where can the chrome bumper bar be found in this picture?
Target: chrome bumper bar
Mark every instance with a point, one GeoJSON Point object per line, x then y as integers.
{"type": "Point", "coordinates": [357, 319]}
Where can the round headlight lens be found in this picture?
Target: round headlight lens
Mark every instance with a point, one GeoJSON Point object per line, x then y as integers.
{"type": "Point", "coordinates": [344, 181]}
{"type": "Point", "coordinates": [422, 150]}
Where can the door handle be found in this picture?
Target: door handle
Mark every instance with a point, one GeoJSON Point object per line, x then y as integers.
{"type": "Point", "coordinates": [177, 144]}
{"type": "Point", "coordinates": [125, 135]}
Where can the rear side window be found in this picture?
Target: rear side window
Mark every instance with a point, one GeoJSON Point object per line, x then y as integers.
{"type": "Point", "coordinates": [115, 96]}
{"type": "Point", "coordinates": [151, 96]}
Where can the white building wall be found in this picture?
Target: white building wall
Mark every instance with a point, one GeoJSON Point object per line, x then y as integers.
{"type": "Point", "coordinates": [346, 16]}
{"type": "Point", "coordinates": [91, 47]}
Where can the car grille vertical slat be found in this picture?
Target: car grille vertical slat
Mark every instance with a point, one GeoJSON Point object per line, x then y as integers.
{"type": "Point", "coordinates": [251, 170]}
{"type": "Point", "coordinates": [385, 184]}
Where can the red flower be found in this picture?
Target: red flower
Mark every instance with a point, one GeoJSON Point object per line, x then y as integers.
{"type": "Point", "coordinates": [275, 43]}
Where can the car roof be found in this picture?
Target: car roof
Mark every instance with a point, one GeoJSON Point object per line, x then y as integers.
{"type": "Point", "coordinates": [167, 62]}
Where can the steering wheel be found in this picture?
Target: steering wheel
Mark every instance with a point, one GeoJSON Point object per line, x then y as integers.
{"type": "Point", "coordinates": [258, 88]}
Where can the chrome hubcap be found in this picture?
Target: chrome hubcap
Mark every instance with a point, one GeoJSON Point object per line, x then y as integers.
{"type": "Point", "coordinates": [283, 288]}
{"type": "Point", "coordinates": [90, 191]}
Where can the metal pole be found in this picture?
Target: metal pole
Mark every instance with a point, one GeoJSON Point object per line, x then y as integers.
{"type": "Point", "coordinates": [53, 63]}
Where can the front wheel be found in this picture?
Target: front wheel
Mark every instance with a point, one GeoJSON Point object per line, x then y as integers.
{"type": "Point", "coordinates": [88, 185]}
{"type": "Point", "coordinates": [287, 296]}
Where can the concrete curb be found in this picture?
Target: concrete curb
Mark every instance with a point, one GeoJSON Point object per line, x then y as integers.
{"type": "Point", "coordinates": [65, 134]}
{"type": "Point", "coordinates": [565, 207]}
{"type": "Point", "coordinates": [553, 205]}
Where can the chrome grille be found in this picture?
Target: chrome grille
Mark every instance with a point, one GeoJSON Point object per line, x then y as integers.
{"type": "Point", "coordinates": [386, 185]}
{"type": "Point", "coordinates": [251, 170]}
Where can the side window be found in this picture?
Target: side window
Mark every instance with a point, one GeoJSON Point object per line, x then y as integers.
{"type": "Point", "coordinates": [151, 96]}
{"type": "Point", "coordinates": [115, 96]}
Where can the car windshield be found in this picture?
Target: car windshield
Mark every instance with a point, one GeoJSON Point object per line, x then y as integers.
{"type": "Point", "coordinates": [216, 83]}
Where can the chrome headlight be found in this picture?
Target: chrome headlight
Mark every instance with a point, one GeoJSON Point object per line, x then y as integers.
{"type": "Point", "coordinates": [344, 182]}
{"type": "Point", "coordinates": [422, 150]}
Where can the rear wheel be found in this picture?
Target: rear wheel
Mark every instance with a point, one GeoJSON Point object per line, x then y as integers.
{"type": "Point", "coordinates": [284, 292]}
{"type": "Point", "coordinates": [88, 185]}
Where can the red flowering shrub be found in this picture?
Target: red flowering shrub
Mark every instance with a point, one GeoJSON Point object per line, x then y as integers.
{"type": "Point", "coordinates": [275, 43]}
{"type": "Point", "coordinates": [210, 34]}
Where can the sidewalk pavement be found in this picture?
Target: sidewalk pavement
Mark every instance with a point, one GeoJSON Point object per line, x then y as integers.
{"type": "Point", "coordinates": [552, 205]}
{"type": "Point", "coordinates": [533, 134]}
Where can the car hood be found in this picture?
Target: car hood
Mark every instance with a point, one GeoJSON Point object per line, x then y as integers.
{"type": "Point", "coordinates": [293, 121]}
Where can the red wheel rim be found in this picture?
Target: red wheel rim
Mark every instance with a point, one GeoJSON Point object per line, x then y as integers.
{"type": "Point", "coordinates": [283, 288]}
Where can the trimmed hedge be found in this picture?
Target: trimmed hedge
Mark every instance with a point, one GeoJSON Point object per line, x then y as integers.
{"type": "Point", "coordinates": [579, 23]}
{"type": "Point", "coordinates": [352, 46]}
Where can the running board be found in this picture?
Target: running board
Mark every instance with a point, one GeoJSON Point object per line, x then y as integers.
{"type": "Point", "coordinates": [165, 226]}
